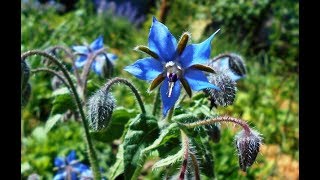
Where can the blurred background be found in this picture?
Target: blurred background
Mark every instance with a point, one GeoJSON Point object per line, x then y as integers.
{"type": "Point", "coordinates": [264, 32]}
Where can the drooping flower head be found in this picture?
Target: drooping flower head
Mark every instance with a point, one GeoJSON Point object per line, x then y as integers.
{"type": "Point", "coordinates": [69, 167]}
{"type": "Point", "coordinates": [172, 63]}
{"type": "Point", "coordinates": [87, 52]}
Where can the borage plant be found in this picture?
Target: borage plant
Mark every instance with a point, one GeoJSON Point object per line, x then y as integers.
{"type": "Point", "coordinates": [179, 136]}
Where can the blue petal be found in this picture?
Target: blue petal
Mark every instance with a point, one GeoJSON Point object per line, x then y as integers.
{"type": "Point", "coordinates": [81, 49]}
{"type": "Point", "coordinates": [79, 167]}
{"type": "Point", "coordinates": [197, 80]}
{"type": "Point", "coordinates": [71, 156]}
{"type": "Point", "coordinates": [58, 162]}
{"type": "Point", "coordinates": [112, 57]}
{"type": "Point", "coordinates": [80, 61]}
{"type": "Point", "coordinates": [168, 102]}
{"type": "Point", "coordinates": [74, 176]}
{"type": "Point", "coordinates": [60, 175]}
{"type": "Point", "coordinates": [222, 65]}
{"type": "Point", "coordinates": [97, 44]}
{"type": "Point", "coordinates": [196, 53]}
{"type": "Point", "coordinates": [161, 41]}
{"type": "Point", "coordinates": [145, 69]}
{"type": "Point", "coordinates": [97, 66]}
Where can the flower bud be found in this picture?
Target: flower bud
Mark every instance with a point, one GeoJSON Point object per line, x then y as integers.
{"type": "Point", "coordinates": [25, 74]}
{"type": "Point", "coordinates": [237, 65]}
{"type": "Point", "coordinates": [248, 145]}
{"type": "Point", "coordinates": [100, 108]}
{"type": "Point", "coordinates": [214, 132]}
{"type": "Point", "coordinates": [227, 93]}
{"type": "Point", "coordinates": [25, 95]}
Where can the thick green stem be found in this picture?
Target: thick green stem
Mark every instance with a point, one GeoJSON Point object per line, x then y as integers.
{"type": "Point", "coordinates": [170, 114]}
{"type": "Point", "coordinates": [91, 151]}
{"type": "Point", "coordinates": [116, 80]}
{"type": "Point", "coordinates": [156, 102]}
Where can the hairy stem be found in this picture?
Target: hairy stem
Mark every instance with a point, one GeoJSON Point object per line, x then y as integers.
{"type": "Point", "coordinates": [116, 80]}
{"type": "Point", "coordinates": [156, 102]}
{"type": "Point", "coordinates": [86, 70]}
{"type": "Point", "coordinates": [196, 166]}
{"type": "Point", "coordinates": [72, 57]}
{"type": "Point", "coordinates": [55, 73]}
{"type": "Point", "coordinates": [185, 146]}
{"type": "Point", "coordinates": [239, 122]}
{"type": "Point", "coordinates": [91, 151]}
{"type": "Point", "coordinates": [170, 114]}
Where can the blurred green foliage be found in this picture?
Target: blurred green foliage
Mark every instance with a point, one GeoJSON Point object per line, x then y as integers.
{"type": "Point", "coordinates": [265, 33]}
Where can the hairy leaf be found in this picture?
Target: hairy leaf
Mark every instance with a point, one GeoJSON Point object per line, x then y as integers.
{"type": "Point", "coordinates": [118, 166]}
{"type": "Point", "coordinates": [143, 130]}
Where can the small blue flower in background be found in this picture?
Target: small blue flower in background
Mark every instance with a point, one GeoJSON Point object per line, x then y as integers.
{"type": "Point", "coordinates": [126, 9]}
{"type": "Point", "coordinates": [173, 63]}
{"type": "Point", "coordinates": [69, 167]}
{"type": "Point", "coordinates": [86, 52]}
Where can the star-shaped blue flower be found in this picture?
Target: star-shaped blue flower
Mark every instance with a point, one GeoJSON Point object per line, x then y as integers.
{"type": "Point", "coordinates": [69, 167]}
{"type": "Point", "coordinates": [85, 52]}
{"type": "Point", "coordinates": [172, 63]}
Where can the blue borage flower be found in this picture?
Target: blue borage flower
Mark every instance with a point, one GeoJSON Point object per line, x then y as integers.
{"type": "Point", "coordinates": [173, 63]}
{"type": "Point", "coordinates": [69, 167]}
{"type": "Point", "coordinates": [85, 52]}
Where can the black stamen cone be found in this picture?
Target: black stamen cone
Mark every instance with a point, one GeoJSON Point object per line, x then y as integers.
{"type": "Point", "coordinates": [100, 108]}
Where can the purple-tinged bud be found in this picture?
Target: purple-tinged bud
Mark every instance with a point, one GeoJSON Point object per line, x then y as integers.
{"type": "Point", "coordinates": [248, 144]}
{"type": "Point", "coordinates": [100, 108]}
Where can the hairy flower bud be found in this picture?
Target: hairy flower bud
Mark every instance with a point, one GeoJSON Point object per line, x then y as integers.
{"type": "Point", "coordinates": [248, 145]}
{"type": "Point", "coordinates": [25, 95]}
{"type": "Point", "coordinates": [214, 132]}
{"type": "Point", "coordinates": [100, 108]}
{"type": "Point", "coordinates": [25, 74]}
{"type": "Point", "coordinates": [227, 93]}
{"type": "Point", "coordinates": [237, 65]}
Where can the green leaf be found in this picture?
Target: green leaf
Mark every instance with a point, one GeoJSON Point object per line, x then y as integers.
{"type": "Point", "coordinates": [118, 166]}
{"type": "Point", "coordinates": [119, 119]}
{"type": "Point", "coordinates": [168, 160]}
{"type": "Point", "coordinates": [52, 121]}
{"type": "Point", "coordinates": [62, 101]}
{"type": "Point", "coordinates": [143, 130]}
{"type": "Point", "coordinates": [166, 134]}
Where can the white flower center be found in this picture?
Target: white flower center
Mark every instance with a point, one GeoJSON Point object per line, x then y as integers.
{"type": "Point", "coordinates": [173, 72]}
